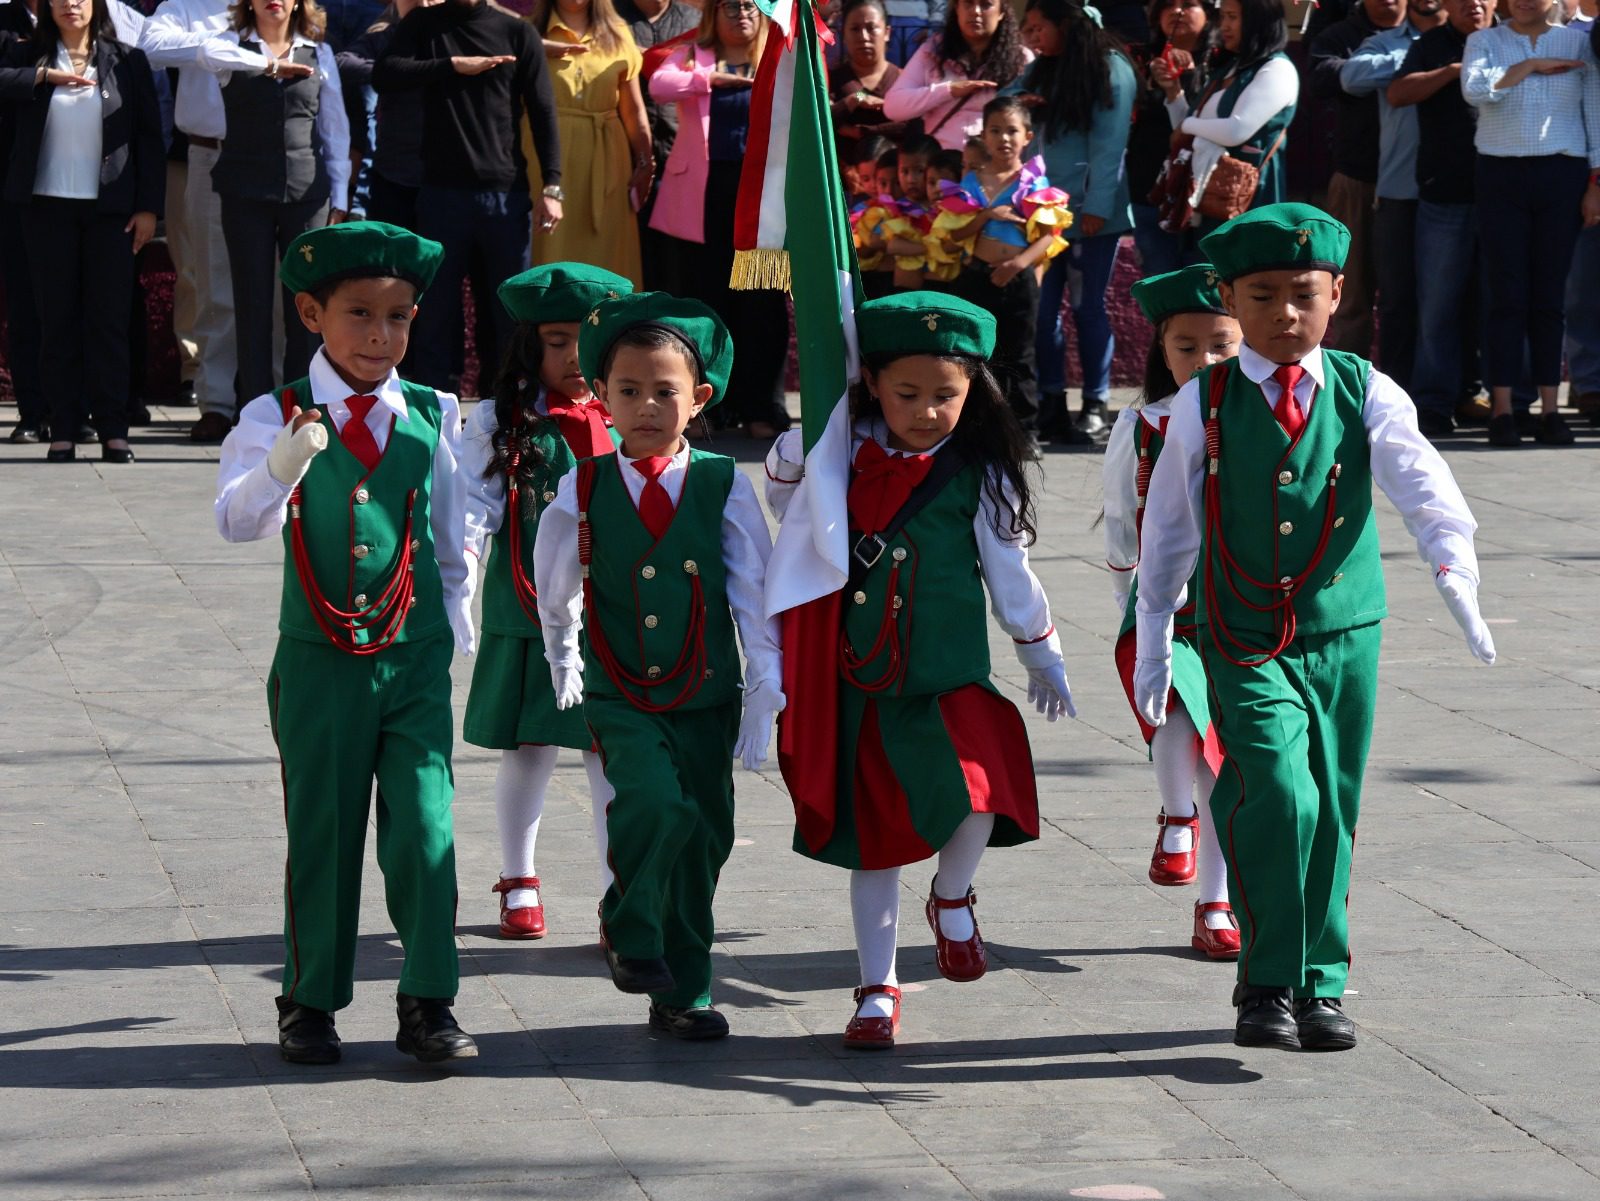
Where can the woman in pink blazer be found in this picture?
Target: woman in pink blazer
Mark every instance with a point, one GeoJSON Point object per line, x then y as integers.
{"type": "Point", "coordinates": [709, 80]}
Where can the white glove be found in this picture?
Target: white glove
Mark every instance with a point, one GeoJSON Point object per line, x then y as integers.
{"type": "Point", "coordinates": [568, 683]}
{"type": "Point", "coordinates": [566, 664]}
{"type": "Point", "coordinates": [1460, 592]}
{"type": "Point", "coordinates": [293, 449]}
{"type": "Point", "coordinates": [1120, 595]}
{"type": "Point", "coordinates": [762, 704]}
{"type": "Point", "coordinates": [460, 614]}
{"type": "Point", "coordinates": [1048, 691]}
{"type": "Point", "coordinates": [1152, 680]}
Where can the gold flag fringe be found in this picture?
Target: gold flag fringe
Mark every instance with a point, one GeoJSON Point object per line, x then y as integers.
{"type": "Point", "coordinates": [760, 270]}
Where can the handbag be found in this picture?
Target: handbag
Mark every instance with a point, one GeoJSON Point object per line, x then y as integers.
{"type": "Point", "coordinates": [1231, 190]}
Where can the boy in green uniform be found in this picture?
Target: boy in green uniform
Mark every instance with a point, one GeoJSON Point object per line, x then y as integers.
{"type": "Point", "coordinates": [1266, 481]}
{"type": "Point", "coordinates": [358, 471]}
{"type": "Point", "coordinates": [657, 552]}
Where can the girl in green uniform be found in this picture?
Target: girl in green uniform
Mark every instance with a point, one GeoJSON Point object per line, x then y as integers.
{"type": "Point", "coordinates": [1192, 331]}
{"type": "Point", "coordinates": [540, 422]}
{"type": "Point", "coordinates": [897, 745]}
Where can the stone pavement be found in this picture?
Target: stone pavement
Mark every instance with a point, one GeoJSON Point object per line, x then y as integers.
{"type": "Point", "coordinates": [141, 843]}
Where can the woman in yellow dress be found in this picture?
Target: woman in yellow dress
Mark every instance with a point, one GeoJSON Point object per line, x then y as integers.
{"type": "Point", "coordinates": [606, 158]}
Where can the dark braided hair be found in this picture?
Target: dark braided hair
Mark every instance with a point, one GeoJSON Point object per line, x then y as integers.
{"type": "Point", "coordinates": [516, 389]}
{"type": "Point", "coordinates": [1001, 62]}
{"type": "Point", "coordinates": [1076, 82]}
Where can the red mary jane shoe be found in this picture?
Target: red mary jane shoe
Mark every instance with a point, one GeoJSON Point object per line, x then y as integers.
{"type": "Point", "coordinates": [526, 922]}
{"type": "Point", "coordinates": [958, 961]}
{"type": "Point", "coordinates": [873, 1034]}
{"type": "Point", "coordinates": [1217, 944]}
{"type": "Point", "coordinates": [1175, 867]}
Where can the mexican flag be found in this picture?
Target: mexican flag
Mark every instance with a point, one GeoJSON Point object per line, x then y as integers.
{"type": "Point", "coordinates": [791, 229]}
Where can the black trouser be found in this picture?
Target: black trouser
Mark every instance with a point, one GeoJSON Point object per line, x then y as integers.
{"type": "Point", "coordinates": [22, 318]}
{"type": "Point", "coordinates": [393, 202]}
{"type": "Point", "coordinates": [82, 264]}
{"type": "Point", "coordinates": [1394, 240]}
{"type": "Point", "coordinates": [258, 233]}
{"type": "Point", "coordinates": [1528, 217]}
{"type": "Point", "coordinates": [1016, 315]}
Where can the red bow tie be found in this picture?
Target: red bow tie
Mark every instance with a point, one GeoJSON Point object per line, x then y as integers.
{"type": "Point", "coordinates": [881, 485]}
{"type": "Point", "coordinates": [585, 424]}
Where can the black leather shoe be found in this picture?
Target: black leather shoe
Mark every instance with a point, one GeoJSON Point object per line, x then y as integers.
{"type": "Point", "coordinates": [428, 1030]}
{"type": "Point", "coordinates": [23, 432]}
{"type": "Point", "coordinates": [86, 436]}
{"type": "Point", "coordinates": [692, 1025]}
{"type": "Point", "coordinates": [1503, 431]}
{"type": "Point", "coordinates": [65, 455]}
{"type": "Point", "coordinates": [1323, 1025]}
{"type": "Point", "coordinates": [1266, 1017]}
{"type": "Point", "coordinates": [639, 975]}
{"type": "Point", "coordinates": [116, 454]}
{"type": "Point", "coordinates": [306, 1035]}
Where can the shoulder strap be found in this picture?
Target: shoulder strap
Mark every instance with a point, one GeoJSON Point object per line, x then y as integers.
{"type": "Point", "coordinates": [584, 486]}
{"type": "Point", "coordinates": [864, 555]}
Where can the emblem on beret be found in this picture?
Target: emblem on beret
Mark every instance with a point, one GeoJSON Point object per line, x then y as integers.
{"type": "Point", "coordinates": [309, 251]}
{"type": "Point", "coordinates": [611, 295]}
{"type": "Point", "coordinates": [931, 320]}
{"type": "Point", "coordinates": [1302, 236]}
{"type": "Point", "coordinates": [1211, 279]}
{"type": "Point", "coordinates": [594, 315]}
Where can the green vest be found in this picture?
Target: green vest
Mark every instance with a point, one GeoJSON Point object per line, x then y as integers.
{"type": "Point", "coordinates": [1273, 499]}
{"type": "Point", "coordinates": [502, 612]}
{"type": "Point", "coordinates": [354, 522]}
{"type": "Point", "coordinates": [1270, 187]}
{"type": "Point", "coordinates": [1151, 439]}
{"type": "Point", "coordinates": [643, 590]}
{"type": "Point", "coordinates": [941, 619]}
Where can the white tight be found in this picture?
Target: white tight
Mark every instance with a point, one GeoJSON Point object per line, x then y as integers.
{"type": "Point", "coordinates": [519, 792]}
{"type": "Point", "coordinates": [1185, 781]}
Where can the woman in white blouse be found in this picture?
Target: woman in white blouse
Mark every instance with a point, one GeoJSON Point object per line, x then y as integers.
{"type": "Point", "coordinates": [1536, 88]}
{"type": "Point", "coordinates": [1246, 110]}
{"type": "Point", "coordinates": [958, 70]}
{"type": "Point", "coordinates": [284, 167]}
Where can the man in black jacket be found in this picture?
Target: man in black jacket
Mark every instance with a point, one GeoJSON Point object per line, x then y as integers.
{"type": "Point", "coordinates": [479, 69]}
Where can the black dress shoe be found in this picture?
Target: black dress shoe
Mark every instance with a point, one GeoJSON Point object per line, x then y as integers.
{"type": "Point", "coordinates": [23, 432]}
{"type": "Point", "coordinates": [1266, 1017]}
{"type": "Point", "coordinates": [639, 975]}
{"type": "Point", "coordinates": [86, 436]}
{"type": "Point", "coordinates": [65, 455]}
{"type": "Point", "coordinates": [116, 454]}
{"type": "Point", "coordinates": [428, 1030]}
{"type": "Point", "coordinates": [139, 414]}
{"type": "Point", "coordinates": [692, 1025]}
{"type": "Point", "coordinates": [306, 1035]}
{"type": "Point", "coordinates": [1323, 1025]}
{"type": "Point", "coordinates": [1503, 431]}
{"type": "Point", "coordinates": [1554, 431]}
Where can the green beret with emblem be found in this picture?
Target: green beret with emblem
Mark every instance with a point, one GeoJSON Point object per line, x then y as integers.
{"type": "Point", "coordinates": [560, 292]}
{"type": "Point", "coordinates": [359, 250]}
{"type": "Point", "coordinates": [1191, 289]}
{"type": "Point", "coordinates": [924, 323]}
{"type": "Point", "coordinates": [691, 323]}
{"type": "Point", "coordinates": [1278, 237]}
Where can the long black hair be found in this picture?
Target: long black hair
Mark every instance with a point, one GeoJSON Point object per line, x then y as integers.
{"type": "Point", "coordinates": [1076, 82]}
{"type": "Point", "coordinates": [516, 389]}
{"type": "Point", "coordinates": [1264, 33]}
{"type": "Point", "coordinates": [1159, 382]}
{"type": "Point", "coordinates": [990, 436]}
{"type": "Point", "coordinates": [47, 34]}
{"type": "Point", "coordinates": [1001, 62]}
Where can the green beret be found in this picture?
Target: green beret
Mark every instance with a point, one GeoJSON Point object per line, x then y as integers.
{"type": "Point", "coordinates": [1190, 289]}
{"type": "Point", "coordinates": [924, 323]}
{"type": "Point", "coordinates": [1278, 237]}
{"type": "Point", "coordinates": [560, 292]}
{"type": "Point", "coordinates": [359, 250]}
{"type": "Point", "coordinates": [694, 324]}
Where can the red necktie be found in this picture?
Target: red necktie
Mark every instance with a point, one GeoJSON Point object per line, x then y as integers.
{"type": "Point", "coordinates": [881, 485]}
{"type": "Point", "coordinates": [655, 506]}
{"type": "Point", "coordinates": [357, 438]}
{"type": "Point", "coordinates": [582, 423]}
{"type": "Point", "coordinates": [1288, 411]}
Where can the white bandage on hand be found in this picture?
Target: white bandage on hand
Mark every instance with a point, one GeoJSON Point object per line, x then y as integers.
{"type": "Point", "coordinates": [1460, 593]}
{"type": "Point", "coordinates": [762, 704]}
{"type": "Point", "coordinates": [786, 461]}
{"type": "Point", "coordinates": [293, 449]}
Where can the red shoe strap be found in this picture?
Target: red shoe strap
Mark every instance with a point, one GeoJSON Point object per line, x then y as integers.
{"type": "Point", "coordinates": [507, 883]}
{"type": "Point", "coordinates": [1201, 908]}
{"type": "Point", "coordinates": [1163, 819]}
{"type": "Point", "coordinates": [867, 990]}
{"type": "Point", "coordinates": [965, 902]}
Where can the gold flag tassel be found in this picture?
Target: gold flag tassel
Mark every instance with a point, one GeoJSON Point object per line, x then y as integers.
{"type": "Point", "coordinates": [760, 270]}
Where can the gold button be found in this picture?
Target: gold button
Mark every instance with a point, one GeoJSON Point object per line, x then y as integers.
{"type": "Point", "coordinates": [416, 544]}
{"type": "Point", "coordinates": [1286, 580]}
{"type": "Point", "coordinates": [1337, 522]}
{"type": "Point", "coordinates": [1285, 477]}
{"type": "Point", "coordinates": [361, 600]}
{"type": "Point", "coordinates": [648, 572]}
{"type": "Point", "coordinates": [548, 497]}
{"type": "Point", "coordinates": [653, 672]}
{"type": "Point", "coordinates": [690, 567]}
{"type": "Point", "coordinates": [860, 598]}
{"type": "Point", "coordinates": [1286, 527]}
{"type": "Point", "coordinates": [899, 555]}
{"type": "Point", "coordinates": [1337, 576]}
{"type": "Point", "coordinates": [362, 496]}
{"type": "Point", "coordinates": [651, 622]}
{"type": "Point", "coordinates": [360, 551]}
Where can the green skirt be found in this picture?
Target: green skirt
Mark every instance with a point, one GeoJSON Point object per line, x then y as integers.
{"type": "Point", "coordinates": [512, 702]}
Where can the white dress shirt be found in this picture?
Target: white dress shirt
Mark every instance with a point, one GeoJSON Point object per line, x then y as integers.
{"type": "Point", "coordinates": [251, 504]}
{"type": "Point", "coordinates": [1544, 114]}
{"type": "Point", "coordinates": [1016, 597]}
{"type": "Point", "coordinates": [170, 38]}
{"type": "Point", "coordinates": [1120, 483]}
{"type": "Point", "coordinates": [1405, 466]}
{"type": "Point", "coordinates": [223, 55]}
{"type": "Point", "coordinates": [746, 546]}
{"type": "Point", "coordinates": [69, 152]}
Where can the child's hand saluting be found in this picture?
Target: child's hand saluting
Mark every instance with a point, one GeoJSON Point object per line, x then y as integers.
{"type": "Point", "coordinates": [300, 440]}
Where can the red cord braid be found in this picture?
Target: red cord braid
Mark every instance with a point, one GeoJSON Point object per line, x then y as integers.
{"type": "Point", "coordinates": [527, 596]}
{"type": "Point", "coordinates": [1141, 480]}
{"type": "Point", "coordinates": [850, 664]}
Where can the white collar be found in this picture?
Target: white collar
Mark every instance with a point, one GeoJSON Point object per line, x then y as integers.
{"type": "Point", "coordinates": [329, 391]}
{"type": "Point", "coordinates": [679, 456]}
{"type": "Point", "coordinates": [1258, 368]}
{"type": "Point", "coordinates": [877, 429]}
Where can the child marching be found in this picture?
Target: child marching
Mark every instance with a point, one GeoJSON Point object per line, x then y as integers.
{"type": "Point", "coordinates": [1265, 483]}
{"type": "Point", "coordinates": [1192, 330]}
{"type": "Point", "coordinates": [897, 746]}
{"type": "Point", "coordinates": [518, 445]}
{"type": "Point", "coordinates": [657, 552]}
{"type": "Point", "coordinates": [358, 470]}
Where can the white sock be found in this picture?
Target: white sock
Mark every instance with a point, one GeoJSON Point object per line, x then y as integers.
{"type": "Point", "coordinates": [875, 911]}
{"type": "Point", "coordinates": [519, 788]}
{"type": "Point", "coordinates": [1211, 869]}
{"type": "Point", "coordinates": [958, 866]}
{"type": "Point", "coordinates": [600, 794]}
{"type": "Point", "coordinates": [1176, 754]}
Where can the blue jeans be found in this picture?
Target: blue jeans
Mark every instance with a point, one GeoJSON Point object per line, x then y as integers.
{"type": "Point", "coordinates": [1447, 264]}
{"type": "Point", "coordinates": [1583, 314]}
{"type": "Point", "coordinates": [495, 229]}
{"type": "Point", "coordinates": [905, 35]}
{"type": "Point", "coordinates": [1082, 274]}
{"type": "Point", "coordinates": [349, 19]}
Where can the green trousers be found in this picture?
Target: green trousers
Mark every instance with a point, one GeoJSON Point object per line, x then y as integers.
{"type": "Point", "coordinates": [340, 722]}
{"type": "Point", "coordinates": [1296, 733]}
{"type": "Point", "coordinates": [670, 828]}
